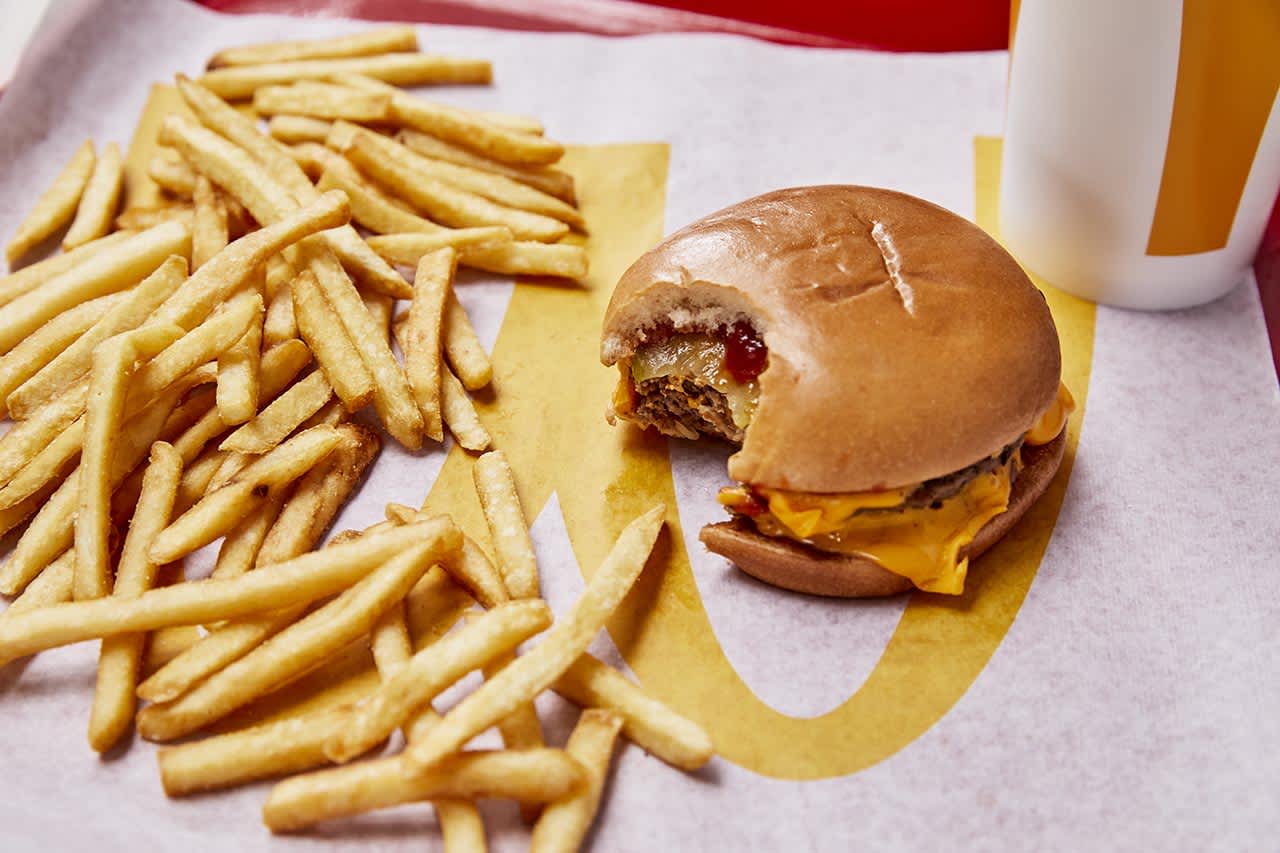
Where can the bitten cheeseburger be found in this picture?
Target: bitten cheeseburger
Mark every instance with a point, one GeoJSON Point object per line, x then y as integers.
{"type": "Point", "coordinates": [890, 374]}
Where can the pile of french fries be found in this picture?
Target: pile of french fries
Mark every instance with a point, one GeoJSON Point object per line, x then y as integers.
{"type": "Point", "coordinates": [186, 373]}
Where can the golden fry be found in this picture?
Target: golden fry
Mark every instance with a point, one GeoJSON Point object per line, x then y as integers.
{"type": "Point", "coordinates": [113, 365]}
{"type": "Point", "coordinates": [402, 69]}
{"type": "Point", "coordinates": [306, 578]}
{"type": "Point", "coordinates": [646, 722]}
{"type": "Point", "coordinates": [409, 249]}
{"type": "Point", "coordinates": [142, 218]}
{"type": "Point", "coordinates": [396, 39]}
{"type": "Point", "coordinates": [52, 530]}
{"type": "Point", "coordinates": [561, 260]}
{"type": "Point", "coordinates": [535, 776]}
{"type": "Point", "coordinates": [44, 344]}
{"type": "Point", "coordinates": [73, 362]}
{"type": "Point", "coordinates": [173, 175]}
{"type": "Point", "coordinates": [296, 649]}
{"type": "Point", "coordinates": [292, 129]}
{"type": "Point", "coordinates": [337, 356]}
{"type": "Point", "coordinates": [565, 822]}
{"type": "Point", "coordinates": [460, 414]}
{"type": "Point", "coordinates": [536, 670]}
{"type": "Point", "coordinates": [238, 375]}
{"type": "Point", "coordinates": [508, 530]}
{"type": "Point", "coordinates": [121, 655]}
{"type": "Point", "coordinates": [56, 207]}
{"type": "Point", "coordinates": [371, 207]}
{"type": "Point", "coordinates": [462, 347]}
{"type": "Point", "coordinates": [322, 101]}
{"type": "Point", "coordinates": [465, 128]}
{"type": "Point", "coordinates": [240, 547]}
{"type": "Point", "coordinates": [100, 200]}
{"type": "Point", "coordinates": [52, 586]}
{"type": "Point", "coordinates": [549, 180]}
{"type": "Point", "coordinates": [404, 173]}
{"type": "Point", "coordinates": [222, 509]}
{"type": "Point", "coordinates": [118, 267]}
{"type": "Point", "coordinates": [285, 414]}
{"type": "Point", "coordinates": [432, 670]}
{"type": "Point", "coordinates": [229, 270]}
{"type": "Point", "coordinates": [421, 336]}
{"type": "Point", "coordinates": [209, 234]}
{"type": "Point", "coordinates": [34, 275]}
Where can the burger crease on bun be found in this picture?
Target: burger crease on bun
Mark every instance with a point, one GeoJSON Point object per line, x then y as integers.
{"type": "Point", "coordinates": [891, 376]}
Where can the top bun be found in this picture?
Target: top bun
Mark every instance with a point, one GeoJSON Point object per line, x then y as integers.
{"type": "Point", "coordinates": [904, 343]}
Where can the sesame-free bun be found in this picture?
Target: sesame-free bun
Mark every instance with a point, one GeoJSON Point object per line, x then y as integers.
{"type": "Point", "coordinates": [796, 566]}
{"type": "Point", "coordinates": [904, 343]}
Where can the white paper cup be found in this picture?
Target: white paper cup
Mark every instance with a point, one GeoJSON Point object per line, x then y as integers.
{"type": "Point", "coordinates": [1142, 145]}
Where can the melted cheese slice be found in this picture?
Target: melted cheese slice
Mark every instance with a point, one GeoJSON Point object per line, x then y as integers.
{"type": "Point", "coordinates": [698, 356]}
{"type": "Point", "coordinates": [1053, 419]}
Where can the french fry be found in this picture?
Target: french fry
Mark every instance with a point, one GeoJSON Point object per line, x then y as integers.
{"type": "Point", "coordinates": [48, 467]}
{"type": "Point", "coordinates": [461, 827]}
{"type": "Point", "coordinates": [73, 362]}
{"type": "Point", "coordinates": [240, 547]}
{"type": "Point", "coordinates": [121, 655]}
{"type": "Point", "coordinates": [197, 347]}
{"type": "Point", "coordinates": [303, 579]}
{"type": "Point", "coordinates": [34, 275]}
{"type": "Point", "coordinates": [646, 722]}
{"type": "Point", "coordinates": [399, 170]}
{"type": "Point", "coordinates": [380, 307]}
{"type": "Point", "coordinates": [52, 530]}
{"type": "Point", "coordinates": [56, 207]}
{"type": "Point", "coordinates": [230, 269]}
{"type": "Point", "coordinates": [173, 175]}
{"type": "Point", "coordinates": [520, 729]}
{"type": "Point", "coordinates": [519, 123]}
{"type": "Point", "coordinates": [285, 414]}
{"type": "Point", "coordinates": [292, 129]}
{"type": "Point", "coordinates": [209, 234]}
{"type": "Point", "coordinates": [564, 823]}
{"type": "Point", "coordinates": [21, 443]}
{"type": "Point", "coordinates": [278, 274]}
{"type": "Point", "coordinates": [470, 568]}
{"type": "Point", "coordinates": [322, 101]}
{"type": "Point", "coordinates": [391, 396]}
{"type": "Point", "coordinates": [238, 391]}
{"type": "Point", "coordinates": [397, 39]}
{"type": "Point", "coordinates": [315, 502]}
{"type": "Point", "coordinates": [462, 347]}
{"type": "Point", "coordinates": [370, 207]}
{"type": "Point", "coordinates": [433, 670]}
{"type": "Point", "coordinates": [508, 529]}
{"type": "Point", "coordinates": [312, 158]}
{"type": "Point", "coordinates": [495, 187]}
{"type": "Point", "coordinates": [279, 748]}
{"type": "Point", "coordinates": [551, 181]}
{"type": "Point", "coordinates": [220, 510]}
{"type": "Point", "coordinates": [280, 365]}
{"type": "Point", "coordinates": [267, 181]}
{"type": "Point", "coordinates": [540, 775]}
{"type": "Point", "coordinates": [52, 586]}
{"type": "Point", "coordinates": [409, 249]}
{"type": "Point", "coordinates": [402, 69]}
{"type": "Point", "coordinates": [196, 478]}
{"type": "Point", "coordinates": [334, 352]}
{"type": "Point", "coordinates": [116, 268]}
{"type": "Point", "coordinates": [142, 218]}
{"type": "Point", "coordinates": [460, 414]}
{"type": "Point", "coordinates": [296, 649]}
{"type": "Point", "coordinates": [11, 517]}
{"type": "Point", "coordinates": [279, 324]}
{"type": "Point", "coordinates": [538, 669]}
{"type": "Point", "coordinates": [421, 336]}
{"type": "Point", "coordinates": [100, 200]}
{"type": "Point", "coordinates": [44, 344]}
{"type": "Point", "coordinates": [560, 260]}
{"type": "Point", "coordinates": [470, 130]}
{"type": "Point", "coordinates": [113, 365]}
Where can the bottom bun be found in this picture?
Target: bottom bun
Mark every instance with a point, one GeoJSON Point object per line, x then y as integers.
{"type": "Point", "coordinates": [796, 566]}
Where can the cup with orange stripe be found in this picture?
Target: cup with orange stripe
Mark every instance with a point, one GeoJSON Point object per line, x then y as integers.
{"type": "Point", "coordinates": [1142, 145]}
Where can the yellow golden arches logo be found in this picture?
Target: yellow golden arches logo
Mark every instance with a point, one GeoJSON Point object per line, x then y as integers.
{"type": "Point", "coordinates": [546, 413]}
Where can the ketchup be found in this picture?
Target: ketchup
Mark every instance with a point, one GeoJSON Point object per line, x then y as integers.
{"type": "Point", "coordinates": [745, 354]}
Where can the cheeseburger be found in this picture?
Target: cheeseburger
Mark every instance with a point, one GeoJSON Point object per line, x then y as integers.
{"type": "Point", "coordinates": [889, 374]}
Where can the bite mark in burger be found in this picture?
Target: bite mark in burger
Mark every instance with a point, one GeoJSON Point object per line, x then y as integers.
{"type": "Point", "coordinates": [891, 376]}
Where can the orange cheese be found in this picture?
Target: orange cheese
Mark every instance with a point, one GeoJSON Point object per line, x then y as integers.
{"type": "Point", "coordinates": [1051, 422]}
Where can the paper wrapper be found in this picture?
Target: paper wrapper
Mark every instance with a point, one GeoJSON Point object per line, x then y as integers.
{"type": "Point", "coordinates": [1109, 677]}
